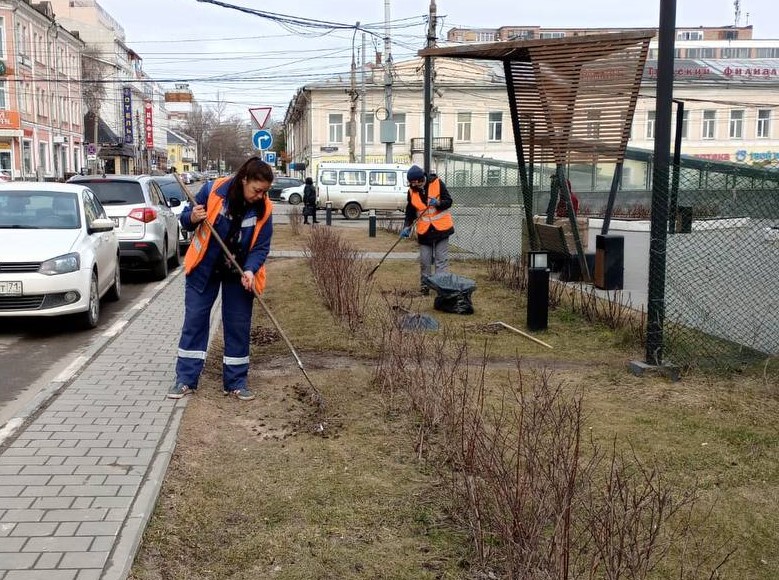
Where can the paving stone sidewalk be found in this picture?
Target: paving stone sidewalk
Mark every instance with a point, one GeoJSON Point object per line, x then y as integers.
{"type": "Point", "coordinates": [80, 479]}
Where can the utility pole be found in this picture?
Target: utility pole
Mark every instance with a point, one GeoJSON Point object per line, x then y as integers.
{"type": "Point", "coordinates": [353, 103]}
{"type": "Point", "coordinates": [428, 150]}
{"type": "Point", "coordinates": [388, 76]}
{"type": "Point", "coordinates": [362, 102]}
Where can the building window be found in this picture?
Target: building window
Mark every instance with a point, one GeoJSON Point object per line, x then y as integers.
{"type": "Point", "coordinates": [735, 53]}
{"type": "Point", "coordinates": [685, 117]}
{"type": "Point", "coordinates": [436, 125]}
{"type": "Point", "coordinates": [27, 157]}
{"type": "Point", "coordinates": [763, 123]}
{"type": "Point", "coordinates": [701, 53]}
{"type": "Point", "coordinates": [737, 124]}
{"type": "Point", "coordinates": [485, 37]}
{"type": "Point", "coordinates": [709, 124]}
{"type": "Point", "coordinates": [3, 95]}
{"type": "Point", "coordinates": [43, 156]}
{"type": "Point", "coordinates": [335, 133]}
{"type": "Point", "coordinates": [400, 125]}
{"type": "Point", "coordinates": [767, 53]}
{"type": "Point", "coordinates": [650, 124]}
{"type": "Point", "coordinates": [545, 35]}
{"type": "Point", "coordinates": [495, 126]}
{"type": "Point", "coordinates": [689, 35]}
{"type": "Point", "coordinates": [368, 122]}
{"type": "Point", "coordinates": [463, 127]}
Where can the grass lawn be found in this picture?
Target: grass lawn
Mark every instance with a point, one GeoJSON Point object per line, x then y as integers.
{"type": "Point", "coordinates": [252, 493]}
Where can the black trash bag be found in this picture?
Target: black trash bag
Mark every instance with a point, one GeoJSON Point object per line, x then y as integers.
{"type": "Point", "coordinates": [453, 292]}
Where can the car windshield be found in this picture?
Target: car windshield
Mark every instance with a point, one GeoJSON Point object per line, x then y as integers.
{"type": "Point", "coordinates": [39, 210]}
{"type": "Point", "coordinates": [116, 192]}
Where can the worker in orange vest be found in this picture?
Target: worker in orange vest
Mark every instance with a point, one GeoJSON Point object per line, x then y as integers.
{"type": "Point", "coordinates": [428, 203]}
{"type": "Point", "coordinates": [240, 211]}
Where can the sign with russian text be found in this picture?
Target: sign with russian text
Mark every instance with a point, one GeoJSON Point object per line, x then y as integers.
{"type": "Point", "coordinates": [10, 119]}
{"type": "Point", "coordinates": [147, 116]}
{"type": "Point", "coordinates": [127, 114]}
{"type": "Point", "coordinates": [747, 71]}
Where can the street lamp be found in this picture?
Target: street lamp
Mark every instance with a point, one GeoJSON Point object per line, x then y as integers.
{"type": "Point", "coordinates": [537, 290]}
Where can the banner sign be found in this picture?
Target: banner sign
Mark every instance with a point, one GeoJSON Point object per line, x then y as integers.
{"type": "Point", "coordinates": [747, 71]}
{"type": "Point", "coordinates": [127, 114]}
{"type": "Point", "coordinates": [148, 124]}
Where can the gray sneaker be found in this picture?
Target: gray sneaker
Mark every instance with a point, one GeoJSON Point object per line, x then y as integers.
{"type": "Point", "coordinates": [179, 391]}
{"type": "Point", "coordinates": [243, 394]}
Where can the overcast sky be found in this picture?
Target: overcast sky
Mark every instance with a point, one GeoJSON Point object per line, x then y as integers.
{"type": "Point", "coordinates": [247, 61]}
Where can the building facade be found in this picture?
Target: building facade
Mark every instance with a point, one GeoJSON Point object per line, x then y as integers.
{"type": "Point", "coordinates": [471, 116]}
{"type": "Point", "coordinates": [128, 133]}
{"type": "Point", "coordinates": [41, 119]}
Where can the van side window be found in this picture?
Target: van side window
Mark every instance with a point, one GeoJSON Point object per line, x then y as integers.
{"type": "Point", "coordinates": [349, 177]}
{"type": "Point", "coordinates": [329, 177]}
{"type": "Point", "coordinates": [383, 178]}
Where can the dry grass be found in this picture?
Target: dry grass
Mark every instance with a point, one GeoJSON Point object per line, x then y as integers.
{"type": "Point", "coordinates": [251, 494]}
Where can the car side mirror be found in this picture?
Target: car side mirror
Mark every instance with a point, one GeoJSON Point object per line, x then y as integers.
{"type": "Point", "coordinates": [101, 225]}
{"type": "Point", "coordinates": [174, 202]}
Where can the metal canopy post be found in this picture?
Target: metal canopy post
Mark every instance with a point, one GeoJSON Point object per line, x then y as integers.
{"type": "Point", "coordinates": [527, 192]}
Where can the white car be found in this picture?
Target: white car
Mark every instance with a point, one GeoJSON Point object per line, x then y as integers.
{"type": "Point", "coordinates": [59, 252]}
{"type": "Point", "coordinates": [293, 195]}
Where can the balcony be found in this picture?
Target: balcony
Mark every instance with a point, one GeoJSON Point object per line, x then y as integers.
{"type": "Point", "coordinates": [445, 144]}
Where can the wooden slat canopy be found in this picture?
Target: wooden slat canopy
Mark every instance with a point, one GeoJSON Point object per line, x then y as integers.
{"type": "Point", "coordinates": [574, 98]}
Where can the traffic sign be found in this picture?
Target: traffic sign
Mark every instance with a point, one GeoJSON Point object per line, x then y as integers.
{"type": "Point", "coordinates": [262, 139]}
{"type": "Point", "coordinates": [270, 157]}
{"type": "Point", "coordinates": [260, 116]}
{"type": "Point", "coordinates": [91, 149]}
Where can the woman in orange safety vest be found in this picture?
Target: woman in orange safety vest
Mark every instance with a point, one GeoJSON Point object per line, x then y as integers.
{"type": "Point", "coordinates": [428, 204]}
{"type": "Point", "coordinates": [240, 211]}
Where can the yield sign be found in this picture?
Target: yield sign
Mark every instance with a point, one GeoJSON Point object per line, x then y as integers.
{"type": "Point", "coordinates": [260, 116]}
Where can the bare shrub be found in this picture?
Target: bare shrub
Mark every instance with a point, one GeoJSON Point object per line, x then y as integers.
{"type": "Point", "coordinates": [295, 220]}
{"type": "Point", "coordinates": [510, 272]}
{"type": "Point", "coordinates": [341, 275]}
{"type": "Point", "coordinates": [537, 502]}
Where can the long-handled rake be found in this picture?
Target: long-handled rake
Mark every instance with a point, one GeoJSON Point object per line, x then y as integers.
{"type": "Point", "coordinates": [316, 395]}
{"type": "Point", "coordinates": [384, 257]}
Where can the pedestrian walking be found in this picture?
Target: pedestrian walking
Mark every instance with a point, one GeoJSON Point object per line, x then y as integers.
{"type": "Point", "coordinates": [309, 201]}
{"type": "Point", "coordinates": [428, 205]}
{"type": "Point", "coordinates": [240, 211]}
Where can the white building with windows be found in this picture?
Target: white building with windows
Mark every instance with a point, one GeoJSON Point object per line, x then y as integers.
{"type": "Point", "coordinates": [471, 116]}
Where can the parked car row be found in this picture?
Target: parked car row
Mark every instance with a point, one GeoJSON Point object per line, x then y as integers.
{"type": "Point", "coordinates": [64, 245]}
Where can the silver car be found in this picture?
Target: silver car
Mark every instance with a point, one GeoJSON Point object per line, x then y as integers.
{"type": "Point", "coordinates": [147, 226]}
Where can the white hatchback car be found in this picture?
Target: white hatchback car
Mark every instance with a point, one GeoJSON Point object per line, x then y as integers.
{"type": "Point", "coordinates": [59, 252]}
{"type": "Point", "coordinates": [293, 195]}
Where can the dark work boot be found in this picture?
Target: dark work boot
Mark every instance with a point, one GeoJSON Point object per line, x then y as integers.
{"type": "Point", "coordinates": [424, 290]}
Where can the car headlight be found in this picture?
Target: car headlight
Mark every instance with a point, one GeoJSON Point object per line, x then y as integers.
{"type": "Point", "coordinates": [61, 265]}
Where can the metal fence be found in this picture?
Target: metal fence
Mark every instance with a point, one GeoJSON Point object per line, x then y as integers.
{"type": "Point", "coordinates": [722, 251]}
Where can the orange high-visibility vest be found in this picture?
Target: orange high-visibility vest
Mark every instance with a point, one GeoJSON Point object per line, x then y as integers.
{"type": "Point", "coordinates": [441, 220]}
{"type": "Point", "coordinates": [199, 245]}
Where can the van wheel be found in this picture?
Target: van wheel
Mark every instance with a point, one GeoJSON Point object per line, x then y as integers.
{"type": "Point", "coordinates": [295, 199]}
{"type": "Point", "coordinates": [352, 211]}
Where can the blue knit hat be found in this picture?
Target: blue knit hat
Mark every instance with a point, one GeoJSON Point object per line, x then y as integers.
{"type": "Point", "coordinates": [415, 173]}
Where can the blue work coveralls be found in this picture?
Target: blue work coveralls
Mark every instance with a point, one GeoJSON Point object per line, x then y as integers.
{"type": "Point", "coordinates": [202, 288]}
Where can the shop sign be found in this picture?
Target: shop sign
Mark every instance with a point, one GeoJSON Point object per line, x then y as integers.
{"type": "Point", "coordinates": [10, 120]}
{"type": "Point", "coordinates": [743, 155]}
{"type": "Point", "coordinates": [147, 115]}
{"type": "Point", "coordinates": [127, 114]}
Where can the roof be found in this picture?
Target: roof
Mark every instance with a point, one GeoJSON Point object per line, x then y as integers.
{"type": "Point", "coordinates": [47, 186]}
{"type": "Point", "coordinates": [572, 99]}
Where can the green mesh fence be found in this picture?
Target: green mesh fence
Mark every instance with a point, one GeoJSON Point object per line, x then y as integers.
{"type": "Point", "coordinates": [722, 253]}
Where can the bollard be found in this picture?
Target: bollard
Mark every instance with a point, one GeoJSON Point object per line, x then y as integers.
{"type": "Point", "coordinates": [329, 213]}
{"type": "Point", "coordinates": [372, 223]}
{"type": "Point", "coordinates": [537, 291]}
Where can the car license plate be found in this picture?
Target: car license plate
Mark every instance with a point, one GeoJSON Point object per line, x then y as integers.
{"type": "Point", "coordinates": [10, 288]}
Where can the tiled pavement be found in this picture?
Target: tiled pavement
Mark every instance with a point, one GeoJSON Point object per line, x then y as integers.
{"type": "Point", "coordinates": [79, 476]}
{"type": "Point", "coordinates": [80, 479]}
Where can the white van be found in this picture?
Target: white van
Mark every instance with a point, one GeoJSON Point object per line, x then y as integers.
{"type": "Point", "coordinates": [357, 187]}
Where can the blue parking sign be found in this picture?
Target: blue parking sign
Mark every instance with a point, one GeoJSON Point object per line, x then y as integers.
{"type": "Point", "coordinates": [270, 157]}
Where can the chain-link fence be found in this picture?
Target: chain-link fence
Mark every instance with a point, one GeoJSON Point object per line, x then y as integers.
{"type": "Point", "coordinates": [722, 252]}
